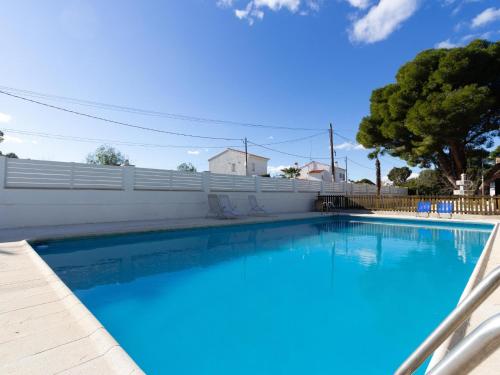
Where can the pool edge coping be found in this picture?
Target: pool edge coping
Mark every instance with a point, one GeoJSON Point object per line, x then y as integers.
{"type": "Point", "coordinates": [120, 360]}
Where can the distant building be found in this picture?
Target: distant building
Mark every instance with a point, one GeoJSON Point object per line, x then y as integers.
{"type": "Point", "coordinates": [494, 179]}
{"type": "Point", "coordinates": [232, 161]}
{"type": "Point", "coordinates": [317, 171]}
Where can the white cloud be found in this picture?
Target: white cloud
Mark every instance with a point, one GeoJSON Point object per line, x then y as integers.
{"type": "Point", "coordinates": [275, 171]}
{"type": "Point", "coordinates": [313, 5]}
{"type": "Point", "coordinates": [446, 44]}
{"type": "Point", "coordinates": [292, 5]}
{"type": "Point", "coordinates": [225, 3]}
{"type": "Point", "coordinates": [382, 20]}
{"type": "Point", "coordinates": [250, 13]}
{"type": "Point", "coordinates": [254, 9]}
{"type": "Point", "coordinates": [348, 146]}
{"type": "Point", "coordinates": [486, 16]}
{"type": "Point", "coordinates": [4, 117]}
{"type": "Point", "coordinates": [360, 4]}
{"type": "Point", "coordinates": [414, 175]}
{"type": "Point", "coordinates": [193, 152]}
{"type": "Point", "coordinates": [11, 139]}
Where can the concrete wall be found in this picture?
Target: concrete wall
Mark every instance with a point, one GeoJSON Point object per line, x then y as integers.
{"type": "Point", "coordinates": [223, 164]}
{"type": "Point", "coordinates": [36, 193]}
{"type": "Point", "coordinates": [33, 207]}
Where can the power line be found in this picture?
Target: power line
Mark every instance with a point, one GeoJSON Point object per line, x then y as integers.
{"type": "Point", "coordinates": [109, 141]}
{"type": "Point", "coordinates": [359, 164]}
{"type": "Point", "coordinates": [114, 107]}
{"type": "Point", "coordinates": [283, 152]}
{"type": "Point", "coordinates": [295, 139]}
{"type": "Point", "coordinates": [127, 143]}
{"type": "Point", "coordinates": [114, 121]}
{"type": "Point", "coordinates": [175, 116]}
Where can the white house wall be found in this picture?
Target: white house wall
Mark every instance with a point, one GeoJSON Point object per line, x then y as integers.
{"type": "Point", "coordinates": [223, 164]}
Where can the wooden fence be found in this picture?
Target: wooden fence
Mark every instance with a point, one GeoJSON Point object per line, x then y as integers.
{"type": "Point", "coordinates": [476, 205]}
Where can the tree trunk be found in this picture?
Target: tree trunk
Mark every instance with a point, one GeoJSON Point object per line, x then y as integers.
{"type": "Point", "coordinates": [444, 164]}
{"type": "Point", "coordinates": [458, 154]}
{"type": "Point", "coordinates": [379, 177]}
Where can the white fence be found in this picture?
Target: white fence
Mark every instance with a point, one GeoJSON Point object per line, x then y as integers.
{"type": "Point", "coordinates": [36, 174]}
{"type": "Point", "coordinates": [158, 179]}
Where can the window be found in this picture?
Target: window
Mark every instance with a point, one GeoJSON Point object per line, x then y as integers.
{"type": "Point", "coordinates": [342, 176]}
{"type": "Point", "coordinates": [233, 167]}
{"type": "Point", "coordinates": [253, 167]}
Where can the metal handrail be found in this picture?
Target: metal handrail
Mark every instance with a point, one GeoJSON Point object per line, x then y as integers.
{"type": "Point", "coordinates": [472, 350]}
{"type": "Point", "coordinates": [451, 322]}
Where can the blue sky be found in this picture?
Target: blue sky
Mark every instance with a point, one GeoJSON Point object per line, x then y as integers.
{"type": "Point", "coordinates": [294, 63]}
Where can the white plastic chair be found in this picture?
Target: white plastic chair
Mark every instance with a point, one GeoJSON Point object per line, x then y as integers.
{"type": "Point", "coordinates": [255, 208]}
{"type": "Point", "coordinates": [228, 207]}
{"type": "Point", "coordinates": [216, 208]}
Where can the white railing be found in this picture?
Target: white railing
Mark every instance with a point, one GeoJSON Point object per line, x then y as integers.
{"type": "Point", "coordinates": [348, 188]}
{"type": "Point", "coordinates": [276, 184]}
{"type": "Point", "coordinates": [22, 173]}
{"type": "Point", "coordinates": [159, 179]}
{"type": "Point", "coordinates": [37, 174]}
{"type": "Point", "coordinates": [309, 186]}
{"type": "Point", "coordinates": [222, 182]}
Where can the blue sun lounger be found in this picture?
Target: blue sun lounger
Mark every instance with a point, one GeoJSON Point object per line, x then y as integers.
{"type": "Point", "coordinates": [424, 207]}
{"type": "Point", "coordinates": [445, 208]}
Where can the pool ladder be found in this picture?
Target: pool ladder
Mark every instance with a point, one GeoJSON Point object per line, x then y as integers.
{"type": "Point", "coordinates": [473, 348]}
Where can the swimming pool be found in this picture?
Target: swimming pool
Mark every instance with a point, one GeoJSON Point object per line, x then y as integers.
{"type": "Point", "coordinates": [322, 296]}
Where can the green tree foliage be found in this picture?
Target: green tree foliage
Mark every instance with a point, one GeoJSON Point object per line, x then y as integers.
{"type": "Point", "coordinates": [443, 109]}
{"type": "Point", "coordinates": [364, 181]}
{"type": "Point", "coordinates": [290, 172]}
{"type": "Point", "coordinates": [186, 167]}
{"type": "Point", "coordinates": [106, 155]}
{"type": "Point", "coordinates": [399, 175]}
{"type": "Point", "coordinates": [429, 182]}
{"type": "Point", "coordinates": [10, 154]}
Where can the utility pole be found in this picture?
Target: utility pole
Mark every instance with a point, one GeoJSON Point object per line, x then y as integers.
{"type": "Point", "coordinates": [346, 179]}
{"type": "Point", "coordinates": [246, 157]}
{"type": "Point", "coordinates": [331, 153]}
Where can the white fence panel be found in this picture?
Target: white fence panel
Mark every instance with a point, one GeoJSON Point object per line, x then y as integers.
{"type": "Point", "coordinates": [276, 184]}
{"type": "Point", "coordinates": [86, 176]}
{"type": "Point", "coordinates": [158, 179]}
{"type": "Point", "coordinates": [221, 182]}
{"type": "Point", "coordinates": [336, 188]}
{"type": "Point", "coordinates": [363, 189]}
{"type": "Point", "coordinates": [37, 174]}
{"type": "Point", "coordinates": [187, 181]}
{"type": "Point", "coordinates": [308, 185]}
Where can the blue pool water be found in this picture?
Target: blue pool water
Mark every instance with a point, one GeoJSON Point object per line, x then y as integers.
{"type": "Point", "coordinates": [324, 296]}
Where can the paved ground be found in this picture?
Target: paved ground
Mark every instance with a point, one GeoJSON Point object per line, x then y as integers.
{"type": "Point", "coordinates": [45, 329]}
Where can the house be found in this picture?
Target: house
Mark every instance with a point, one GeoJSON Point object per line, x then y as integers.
{"type": "Point", "coordinates": [492, 179]}
{"type": "Point", "coordinates": [231, 161]}
{"type": "Point", "coordinates": [317, 171]}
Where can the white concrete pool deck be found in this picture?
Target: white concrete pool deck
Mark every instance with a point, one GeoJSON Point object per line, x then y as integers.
{"type": "Point", "coordinates": [45, 329]}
